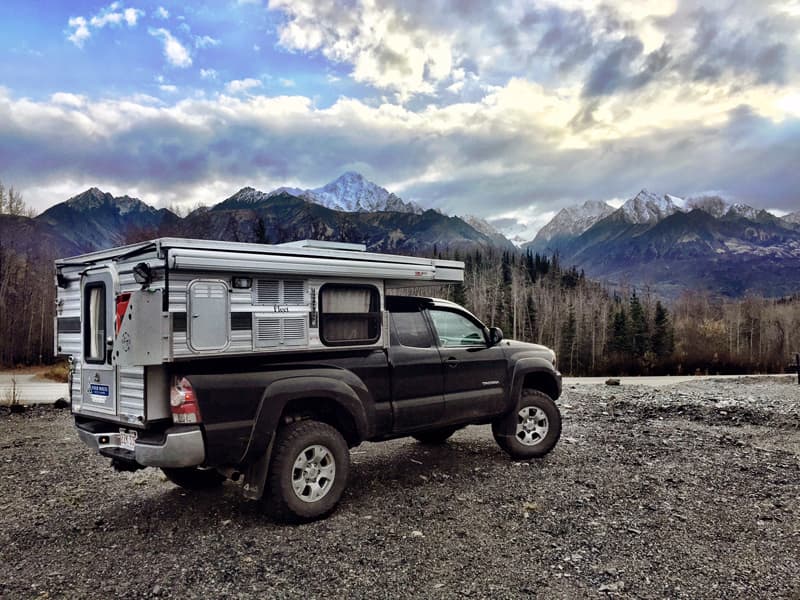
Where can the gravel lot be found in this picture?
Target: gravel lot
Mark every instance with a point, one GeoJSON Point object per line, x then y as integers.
{"type": "Point", "coordinates": [689, 491]}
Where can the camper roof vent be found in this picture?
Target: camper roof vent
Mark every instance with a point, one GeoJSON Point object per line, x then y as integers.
{"type": "Point", "coordinates": [324, 245]}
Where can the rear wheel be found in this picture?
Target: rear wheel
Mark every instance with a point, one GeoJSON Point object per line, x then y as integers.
{"type": "Point", "coordinates": [435, 436]}
{"type": "Point", "coordinates": [533, 429]}
{"type": "Point", "coordinates": [194, 478]}
{"type": "Point", "coordinates": [308, 471]}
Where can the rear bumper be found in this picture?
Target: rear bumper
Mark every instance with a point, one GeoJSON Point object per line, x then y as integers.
{"type": "Point", "coordinates": [177, 447]}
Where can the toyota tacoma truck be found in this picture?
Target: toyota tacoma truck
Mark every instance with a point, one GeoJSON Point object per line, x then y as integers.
{"type": "Point", "coordinates": [265, 365]}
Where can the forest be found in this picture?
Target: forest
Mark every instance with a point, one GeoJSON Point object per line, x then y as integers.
{"type": "Point", "coordinates": [595, 330]}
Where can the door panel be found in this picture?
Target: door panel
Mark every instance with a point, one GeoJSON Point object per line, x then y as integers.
{"type": "Point", "coordinates": [417, 374]}
{"type": "Point", "coordinates": [209, 310]}
{"type": "Point", "coordinates": [98, 377]}
{"type": "Point", "coordinates": [475, 375]}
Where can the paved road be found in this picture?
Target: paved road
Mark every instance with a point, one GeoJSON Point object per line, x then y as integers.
{"type": "Point", "coordinates": [31, 390]}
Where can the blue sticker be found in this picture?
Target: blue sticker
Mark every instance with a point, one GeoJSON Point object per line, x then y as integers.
{"type": "Point", "coordinates": [98, 390]}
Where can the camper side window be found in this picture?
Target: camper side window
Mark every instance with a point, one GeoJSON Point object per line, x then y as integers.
{"type": "Point", "coordinates": [349, 314]}
{"type": "Point", "coordinates": [94, 334]}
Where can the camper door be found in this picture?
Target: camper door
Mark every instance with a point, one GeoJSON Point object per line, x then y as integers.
{"type": "Point", "coordinates": [98, 377]}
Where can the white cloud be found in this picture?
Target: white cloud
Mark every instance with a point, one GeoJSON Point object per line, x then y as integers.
{"type": "Point", "coordinates": [161, 13]}
{"type": "Point", "coordinates": [208, 73]}
{"type": "Point", "coordinates": [66, 99]}
{"type": "Point", "coordinates": [383, 47]}
{"type": "Point", "coordinates": [237, 86]}
{"type": "Point", "coordinates": [169, 88]}
{"type": "Point", "coordinates": [176, 53]}
{"type": "Point", "coordinates": [132, 16]}
{"type": "Point", "coordinates": [112, 15]}
{"type": "Point", "coordinates": [205, 41]}
{"type": "Point", "coordinates": [80, 31]}
{"type": "Point", "coordinates": [287, 83]}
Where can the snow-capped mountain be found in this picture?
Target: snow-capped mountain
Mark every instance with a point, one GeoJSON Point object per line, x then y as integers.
{"type": "Point", "coordinates": [744, 210]}
{"type": "Point", "coordinates": [96, 219]}
{"type": "Point", "coordinates": [569, 223]}
{"type": "Point", "coordinates": [718, 207]}
{"type": "Point", "coordinates": [713, 205]}
{"type": "Point", "coordinates": [352, 192]}
{"type": "Point", "coordinates": [792, 217]}
{"type": "Point", "coordinates": [646, 207]}
{"type": "Point", "coordinates": [483, 226]}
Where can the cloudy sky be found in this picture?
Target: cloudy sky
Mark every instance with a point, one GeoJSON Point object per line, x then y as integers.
{"type": "Point", "coordinates": [507, 110]}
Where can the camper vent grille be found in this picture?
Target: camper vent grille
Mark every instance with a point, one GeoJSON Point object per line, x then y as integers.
{"type": "Point", "coordinates": [273, 331]}
{"type": "Point", "coordinates": [268, 330]}
{"type": "Point", "coordinates": [273, 291]}
{"type": "Point", "coordinates": [268, 291]}
{"type": "Point", "coordinates": [293, 292]}
{"type": "Point", "coordinates": [294, 329]}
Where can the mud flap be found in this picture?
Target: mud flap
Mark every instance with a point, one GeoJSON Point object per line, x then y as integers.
{"type": "Point", "coordinates": [255, 478]}
{"type": "Point", "coordinates": [506, 427]}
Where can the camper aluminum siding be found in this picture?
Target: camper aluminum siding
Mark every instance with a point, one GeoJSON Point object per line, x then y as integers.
{"type": "Point", "coordinates": [180, 264]}
{"type": "Point", "coordinates": [129, 381]}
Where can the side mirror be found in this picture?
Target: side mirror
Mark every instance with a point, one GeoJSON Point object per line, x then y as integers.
{"type": "Point", "coordinates": [495, 336]}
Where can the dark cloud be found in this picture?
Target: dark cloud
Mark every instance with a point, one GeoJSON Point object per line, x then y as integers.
{"type": "Point", "coordinates": [751, 47]}
{"type": "Point", "coordinates": [614, 70]}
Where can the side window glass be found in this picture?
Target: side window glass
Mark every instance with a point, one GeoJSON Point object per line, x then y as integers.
{"type": "Point", "coordinates": [411, 330]}
{"type": "Point", "coordinates": [94, 341]}
{"type": "Point", "coordinates": [456, 330]}
{"type": "Point", "coordinates": [349, 314]}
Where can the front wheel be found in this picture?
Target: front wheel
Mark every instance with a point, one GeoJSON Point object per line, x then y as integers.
{"type": "Point", "coordinates": [533, 429]}
{"type": "Point", "coordinates": [308, 471]}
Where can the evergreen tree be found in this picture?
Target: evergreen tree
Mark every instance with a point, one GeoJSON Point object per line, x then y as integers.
{"type": "Point", "coordinates": [619, 340]}
{"type": "Point", "coordinates": [663, 341]}
{"type": "Point", "coordinates": [640, 338]}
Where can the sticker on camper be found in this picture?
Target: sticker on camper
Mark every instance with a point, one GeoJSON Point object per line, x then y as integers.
{"type": "Point", "coordinates": [98, 393]}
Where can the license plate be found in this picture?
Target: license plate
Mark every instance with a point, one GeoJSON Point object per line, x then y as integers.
{"type": "Point", "coordinates": [127, 439]}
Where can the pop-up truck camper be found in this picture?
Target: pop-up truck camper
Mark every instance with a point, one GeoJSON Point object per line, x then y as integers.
{"type": "Point", "coordinates": [264, 364]}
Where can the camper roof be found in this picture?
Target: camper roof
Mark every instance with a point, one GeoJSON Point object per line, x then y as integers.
{"type": "Point", "coordinates": [309, 257]}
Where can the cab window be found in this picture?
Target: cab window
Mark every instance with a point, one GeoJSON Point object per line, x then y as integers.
{"type": "Point", "coordinates": [410, 329]}
{"type": "Point", "coordinates": [454, 329]}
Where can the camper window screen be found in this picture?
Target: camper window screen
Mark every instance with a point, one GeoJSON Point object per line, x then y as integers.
{"type": "Point", "coordinates": [349, 314]}
{"type": "Point", "coordinates": [95, 332]}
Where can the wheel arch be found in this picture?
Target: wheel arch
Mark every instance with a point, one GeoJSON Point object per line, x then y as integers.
{"type": "Point", "coordinates": [535, 373]}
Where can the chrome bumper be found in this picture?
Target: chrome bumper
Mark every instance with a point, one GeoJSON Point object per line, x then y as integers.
{"type": "Point", "coordinates": [183, 448]}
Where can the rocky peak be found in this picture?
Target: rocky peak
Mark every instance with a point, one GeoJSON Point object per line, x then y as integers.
{"type": "Point", "coordinates": [647, 207]}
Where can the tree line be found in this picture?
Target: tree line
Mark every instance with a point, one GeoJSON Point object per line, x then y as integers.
{"type": "Point", "coordinates": [599, 331]}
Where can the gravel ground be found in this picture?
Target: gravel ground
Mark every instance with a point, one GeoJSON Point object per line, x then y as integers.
{"type": "Point", "coordinates": [691, 491]}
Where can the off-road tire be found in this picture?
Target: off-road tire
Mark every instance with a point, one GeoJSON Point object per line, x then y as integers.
{"type": "Point", "coordinates": [532, 429]}
{"type": "Point", "coordinates": [192, 478]}
{"type": "Point", "coordinates": [306, 441]}
{"type": "Point", "coordinates": [434, 437]}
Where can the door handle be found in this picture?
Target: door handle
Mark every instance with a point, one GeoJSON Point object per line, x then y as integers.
{"type": "Point", "coordinates": [452, 362]}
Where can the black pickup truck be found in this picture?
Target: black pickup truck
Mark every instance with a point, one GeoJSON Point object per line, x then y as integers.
{"type": "Point", "coordinates": [284, 424]}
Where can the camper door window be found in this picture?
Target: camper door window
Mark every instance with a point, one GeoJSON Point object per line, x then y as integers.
{"type": "Point", "coordinates": [350, 314]}
{"type": "Point", "coordinates": [94, 335]}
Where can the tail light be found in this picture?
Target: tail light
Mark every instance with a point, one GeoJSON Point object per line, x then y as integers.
{"type": "Point", "coordinates": [122, 305]}
{"type": "Point", "coordinates": [183, 402]}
